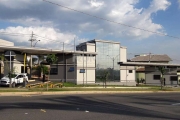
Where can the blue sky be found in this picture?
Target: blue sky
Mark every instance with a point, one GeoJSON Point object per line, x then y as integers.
{"type": "Point", "coordinates": [53, 24]}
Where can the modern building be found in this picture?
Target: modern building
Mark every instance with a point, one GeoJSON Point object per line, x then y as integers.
{"type": "Point", "coordinates": [109, 53]}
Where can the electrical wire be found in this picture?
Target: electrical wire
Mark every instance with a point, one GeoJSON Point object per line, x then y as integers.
{"type": "Point", "coordinates": [112, 21]}
{"type": "Point", "coordinates": [14, 34]}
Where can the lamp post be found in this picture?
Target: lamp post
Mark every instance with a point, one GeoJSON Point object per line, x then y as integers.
{"type": "Point", "coordinates": [113, 63]}
{"type": "Point", "coordinates": [36, 43]}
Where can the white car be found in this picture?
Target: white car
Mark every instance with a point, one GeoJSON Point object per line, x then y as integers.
{"type": "Point", "coordinates": [16, 78]}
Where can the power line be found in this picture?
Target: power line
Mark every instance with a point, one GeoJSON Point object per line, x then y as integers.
{"type": "Point", "coordinates": [112, 21]}
{"type": "Point", "coordinates": [14, 34]}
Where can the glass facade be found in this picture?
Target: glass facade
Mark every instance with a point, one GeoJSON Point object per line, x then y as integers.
{"type": "Point", "coordinates": [107, 55]}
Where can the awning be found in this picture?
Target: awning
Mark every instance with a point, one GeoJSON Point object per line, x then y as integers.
{"type": "Point", "coordinates": [41, 51]}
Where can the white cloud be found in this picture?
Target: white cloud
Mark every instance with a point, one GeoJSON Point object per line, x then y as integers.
{"type": "Point", "coordinates": [42, 14]}
{"type": "Point", "coordinates": [95, 3]}
{"type": "Point", "coordinates": [49, 37]}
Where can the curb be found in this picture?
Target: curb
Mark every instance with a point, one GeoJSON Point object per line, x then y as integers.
{"type": "Point", "coordinates": [79, 93]}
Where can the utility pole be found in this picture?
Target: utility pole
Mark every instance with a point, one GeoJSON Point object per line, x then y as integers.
{"type": "Point", "coordinates": [31, 55]}
{"type": "Point", "coordinates": [149, 57]}
{"type": "Point", "coordinates": [74, 58]}
{"type": "Point", "coordinates": [83, 68]}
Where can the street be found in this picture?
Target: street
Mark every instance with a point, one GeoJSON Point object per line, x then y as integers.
{"type": "Point", "coordinates": [149, 106]}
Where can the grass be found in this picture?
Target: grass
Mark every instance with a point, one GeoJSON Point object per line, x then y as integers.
{"type": "Point", "coordinates": [154, 89]}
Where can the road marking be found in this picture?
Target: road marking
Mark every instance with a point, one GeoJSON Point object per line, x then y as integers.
{"type": "Point", "coordinates": [176, 104]}
{"type": "Point", "coordinates": [26, 96]}
{"type": "Point", "coordinates": [25, 113]}
{"type": "Point", "coordinates": [43, 110]}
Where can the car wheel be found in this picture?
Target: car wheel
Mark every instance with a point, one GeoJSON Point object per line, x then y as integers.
{"type": "Point", "coordinates": [13, 84]}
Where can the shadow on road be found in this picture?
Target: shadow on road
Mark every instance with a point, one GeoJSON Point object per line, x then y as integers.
{"type": "Point", "coordinates": [90, 103]}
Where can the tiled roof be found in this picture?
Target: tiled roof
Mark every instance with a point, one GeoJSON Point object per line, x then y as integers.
{"type": "Point", "coordinates": [152, 58]}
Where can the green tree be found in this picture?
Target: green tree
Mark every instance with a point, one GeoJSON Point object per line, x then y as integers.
{"type": "Point", "coordinates": [43, 69]}
{"type": "Point", "coordinates": [105, 76]}
{"type": "Point", "coordinates": [162, 70]}
{"type": "Point", "coordinates": [51, 59]}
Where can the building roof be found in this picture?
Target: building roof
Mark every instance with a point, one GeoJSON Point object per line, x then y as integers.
{"type": "Point", "coordinates": [152, 58]}
{"type": "Point", "coordinates": [41, 51]}
{"type": "Point", "coordinates": [6, 43]}
{"type": "Point", "coordinates": [147, 64]}
{"type": "Point", "coordinates": [105, 41]}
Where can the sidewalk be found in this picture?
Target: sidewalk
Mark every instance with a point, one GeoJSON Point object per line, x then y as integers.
{"type": "Point", "coordinates": [80, 90]}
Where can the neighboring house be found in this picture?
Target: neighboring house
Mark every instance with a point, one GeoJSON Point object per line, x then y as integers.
{"type": "Point", "coordinates": [151, 74]}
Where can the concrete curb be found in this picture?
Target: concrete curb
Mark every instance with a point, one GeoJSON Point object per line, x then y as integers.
{"type": "Point", "coordinates": [79, 92]}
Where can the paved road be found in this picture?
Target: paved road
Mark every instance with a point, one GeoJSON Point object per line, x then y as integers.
{"type": "Point", "coordinates": [158, 106]}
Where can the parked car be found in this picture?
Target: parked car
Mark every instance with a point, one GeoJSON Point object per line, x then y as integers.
{"type": "Point", "coordinates": [16, 78]}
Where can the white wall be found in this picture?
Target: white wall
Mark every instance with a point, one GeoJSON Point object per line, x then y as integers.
{"type": "Point", "coordinates": [90, 47]}
{"type": "Point", "coordinates": [125, 74]}
{"type": "Point", "coordinates": [123, 54]}
{"type": "Point", "coordinates": [89, 66]}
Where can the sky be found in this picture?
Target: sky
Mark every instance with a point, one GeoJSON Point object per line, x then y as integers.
{"type": "Point", "coordinates": [143, 26]}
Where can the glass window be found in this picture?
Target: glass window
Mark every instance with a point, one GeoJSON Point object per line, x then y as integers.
{"type": "Point", "coordinates": [107, 53]}
{"type": "Point", "coordinates": [54, 71]}
{"type": "Point", "coordinates": [82, 71]}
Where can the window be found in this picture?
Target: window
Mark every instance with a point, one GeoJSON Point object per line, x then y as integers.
{"type": "Point", "coordinates": [54, 71]}
{"type": "Point", "coordinates": [130, 71]}
{"type": "Point", "coordinates": [71, 69]}
{"type": "Point", "coordinates": [82, 70]}
{"type": "Point", "coordinates": [157, 77]}
{"type": "Point", "coordinates": [173, 78]}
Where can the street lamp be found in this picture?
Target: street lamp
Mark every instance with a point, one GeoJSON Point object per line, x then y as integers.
{"type": "Point", "coordinates": [36, 43]}
{"type": "Point", "coordinates": [113, 63]}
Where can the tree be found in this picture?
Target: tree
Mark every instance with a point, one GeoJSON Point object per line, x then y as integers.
{"type": "Point", "coordinates": [162, 70]}
{"type": "Point", "coordinates": [43, 69]}
{"type": "Point", "coordinates": [105, 76]}
{"type": "Point", "coordinates": [51, 59]}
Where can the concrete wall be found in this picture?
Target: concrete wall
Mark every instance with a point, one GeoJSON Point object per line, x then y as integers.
{"type": "Point", "coordinates": [89, 66]}
{"type": "Point", "coordinates": [15, 64]}
{"type": "Point", "coordinates": [149, 76]}
{"type": "Point", "coordinates": [90, 47]}
{"type": "Point", "coordinates": [127, 73]}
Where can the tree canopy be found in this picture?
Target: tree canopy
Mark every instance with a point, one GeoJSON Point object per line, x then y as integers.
{"type": "Point", "coordinates": [51, 58]}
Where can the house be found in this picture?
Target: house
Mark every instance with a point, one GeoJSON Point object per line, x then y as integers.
{"type": "Point", "coordinates": [149, 71]}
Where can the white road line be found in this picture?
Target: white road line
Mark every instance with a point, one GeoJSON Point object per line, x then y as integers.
{"type": "Point", "coordinates": [176, 104]}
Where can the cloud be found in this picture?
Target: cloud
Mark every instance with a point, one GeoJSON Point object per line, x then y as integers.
{"type": "Point", "coordinates": [42, 14]}
{"type": "Point", "coordinates": [49, 37]}
{"type": "Point", "coordinates": [95, 3]}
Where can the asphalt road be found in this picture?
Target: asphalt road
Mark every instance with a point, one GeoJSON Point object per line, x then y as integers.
{"type": "Point", "coordinates": [158, 106]}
